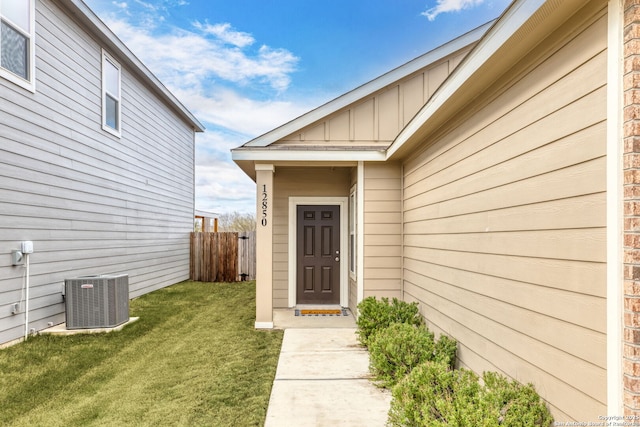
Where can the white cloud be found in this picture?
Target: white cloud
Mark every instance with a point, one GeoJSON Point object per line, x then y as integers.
{"type": "Point", "coordinates": [444, 6]}
{"type": "Point", "coordinates": [203, 77]}
{"type": "Point", "coordinates": [220, 185]}
{"type": "Point", "coordinates": [243, 115]}
{"type": "Point", "coordinates": [207, 67]}
{"type": "Point", "coordinates": [195, 58]}
{"type": "Point", "coordinates": [150, 6]}
{"type": "Point", "coordinates": [225, 33]}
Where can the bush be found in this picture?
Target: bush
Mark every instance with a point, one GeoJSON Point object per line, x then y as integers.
{"type": "Point", "coordinates": [518, 405]}
{"type": "Point", "coordinates": [434, 395]}
{"type": "Point", "coordinates": [375, 315]}
{"type": "Point", "coordinates": [445, 351]}
{"type": "Point", "coordinates": [397, 349]}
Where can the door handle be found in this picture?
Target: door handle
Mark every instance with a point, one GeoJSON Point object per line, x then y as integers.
{"type": "Point", "coordinates": [337, 258]}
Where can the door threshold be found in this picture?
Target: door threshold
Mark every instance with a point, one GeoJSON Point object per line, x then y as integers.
{"type": "Point", "coordinates": [318, 307]}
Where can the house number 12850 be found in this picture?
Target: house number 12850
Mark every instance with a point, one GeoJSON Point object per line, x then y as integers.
{"type": "Point", "coordinates": [265, 204]}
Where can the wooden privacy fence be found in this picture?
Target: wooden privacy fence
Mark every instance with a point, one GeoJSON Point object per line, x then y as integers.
{"type": "Point", "coordinates": [222, 257]}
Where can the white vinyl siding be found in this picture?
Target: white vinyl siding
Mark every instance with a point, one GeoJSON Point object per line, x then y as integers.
{"type": "Point", "coordinates": [17, 42]}
{"type": "Point", "coordinates": [90, 206]}
{"type": "Point", "coordinates": [505, 226]}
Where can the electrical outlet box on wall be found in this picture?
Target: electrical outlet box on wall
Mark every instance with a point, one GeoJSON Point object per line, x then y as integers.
{"type": "Point", "coordinates": [16, 257]}
{"type": "Point", "coordinates": [27, 247]}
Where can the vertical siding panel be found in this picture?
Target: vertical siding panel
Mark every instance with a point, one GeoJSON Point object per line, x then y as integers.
{"type": "Point", "coordinates": [413, 98]}
{"type": "Point", "coordinates": [435, 77]}
{"type": "Point", "coordinates": [389, 114]}
{"type": "Point", "coordinates": [376, 119]}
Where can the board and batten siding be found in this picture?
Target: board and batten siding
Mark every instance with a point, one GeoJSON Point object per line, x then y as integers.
{"type": "Point", "coordinates": [382, 230]}
{"type": "Point", "coordinates": [299, 182]}
{"type": "Point", "coordinates": [376, 120]}
{"type": "Point", "coordinates": [504, 226]}
{"type": "Point", "coordinates": [90, 202]}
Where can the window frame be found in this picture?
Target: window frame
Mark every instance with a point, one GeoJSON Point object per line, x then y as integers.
{"type": "Point", "coordinates": [30, 83]}
{"type": "Point", "coordinates": [353, 232]}
{"type": "Point", "coordinates": [106, 58]}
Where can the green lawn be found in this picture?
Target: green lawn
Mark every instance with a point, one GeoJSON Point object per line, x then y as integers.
{"type": "Point", "coordinates": [193, 359]}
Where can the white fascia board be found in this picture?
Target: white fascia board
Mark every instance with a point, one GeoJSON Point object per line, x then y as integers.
{"type": "Point", "coordinates": [498, 35]}
{"type": "Point", "coordinates": [371, 87]}
{"type": "Point", "coordinates": [308, 155]}
{"type": "Point", "coordinates": [117, 47]}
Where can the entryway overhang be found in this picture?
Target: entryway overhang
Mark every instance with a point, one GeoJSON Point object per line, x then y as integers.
{"type": "Point", "coordinates": [248, 157]}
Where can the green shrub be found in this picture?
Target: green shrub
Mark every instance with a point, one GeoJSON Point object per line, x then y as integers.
{"type": "Point", "coordinates": [397, 349]}
{"type": "Point", "coordinates": [445, 351]}
{"type": "Point", "coordinates": [375, 315]}
{"type": "Point", "coordinates": [434, 395]}
{"type": "Point", "coordinates": [518, 405]}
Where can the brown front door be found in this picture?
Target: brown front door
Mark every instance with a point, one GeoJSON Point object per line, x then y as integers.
{"type": "Point", "coordinates": [318, 254]}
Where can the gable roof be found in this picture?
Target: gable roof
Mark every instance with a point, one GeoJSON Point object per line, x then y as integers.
{"type": "Point", "coordinates": [369, 88]}
{"type": "Point", "coordinates": [83, 14]}
{"type": "Point", "coordinates": [523, 25]}
{"type": "Point", "coordinates": [518, 30]}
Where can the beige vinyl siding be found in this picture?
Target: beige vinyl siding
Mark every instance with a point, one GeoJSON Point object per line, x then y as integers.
{"type": "Point", "coordinates": [504, 227]}
{"type": "Point", "coordinates": [353, 296]}
{"type": "Point", "coordinates": [376, 120]}
{"type": "Point", "coordinates": [91, 203]}
{"type": "Point", "coordinates": [382, 230]}
{"type": "Point", "coordinates": [299, 182]}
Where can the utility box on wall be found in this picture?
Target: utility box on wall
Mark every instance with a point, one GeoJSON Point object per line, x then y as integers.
{"type": "Point", "coordinates": [97, 301]}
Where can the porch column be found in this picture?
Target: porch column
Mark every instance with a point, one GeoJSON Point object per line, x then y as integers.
{"type": "Point", "coordinates": [264, 249]}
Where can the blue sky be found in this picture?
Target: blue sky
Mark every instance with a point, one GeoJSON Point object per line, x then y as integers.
{"type": "Point", "coordinates": [245, 67]}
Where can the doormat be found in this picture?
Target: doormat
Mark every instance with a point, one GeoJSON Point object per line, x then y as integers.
{"type": "Point", "coordinates": [335, 312]}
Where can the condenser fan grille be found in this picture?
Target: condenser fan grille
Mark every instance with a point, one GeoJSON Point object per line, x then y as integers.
{"type": "Point", "coordinates": [97, 301]}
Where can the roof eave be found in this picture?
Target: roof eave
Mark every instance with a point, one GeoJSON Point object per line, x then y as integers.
{"type": "Point", "coordinates": [370, 87]}
{"type": "Point", "coordinates": [246, 158]}
{"type": "Point", "coordinates": [526, 21]}
{"type": "Point", "coordinates": [307, 155]}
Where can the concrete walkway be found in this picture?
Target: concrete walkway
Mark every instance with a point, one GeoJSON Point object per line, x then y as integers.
{"type": "Point", "coordinates": [322, 380]}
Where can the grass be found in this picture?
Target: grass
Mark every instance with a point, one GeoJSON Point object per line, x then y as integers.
{"type": "Point", "coordinates": [193, 358]}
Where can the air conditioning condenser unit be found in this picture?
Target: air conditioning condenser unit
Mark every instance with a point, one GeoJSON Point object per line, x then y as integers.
{"type": "Point", "coordinates": [97, 301]}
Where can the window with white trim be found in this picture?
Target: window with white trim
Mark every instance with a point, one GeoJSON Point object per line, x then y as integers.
{"type": "Point", "coordinates": [353, 215]}
{"type": "Point", "coordinates": [111, 76]}
{"type": "Point", "coordinates": [17, 42]}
